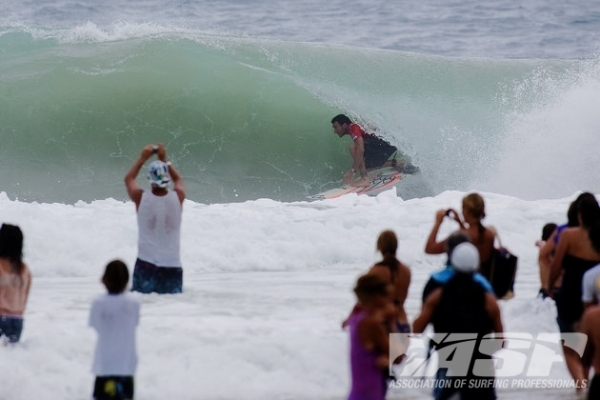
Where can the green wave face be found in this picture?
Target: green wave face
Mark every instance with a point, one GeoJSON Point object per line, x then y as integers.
{"type": "Point", "coordinates": [242, 119]}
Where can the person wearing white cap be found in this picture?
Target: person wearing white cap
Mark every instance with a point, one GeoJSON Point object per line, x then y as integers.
{"type": "Point", "coordinates": [462, 305]}
{"type": "Point", "coordinates": [158, 265]}
{"type": "Point", "coordinates": [439, 278]}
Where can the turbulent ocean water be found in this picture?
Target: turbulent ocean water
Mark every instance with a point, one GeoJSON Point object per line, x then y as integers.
{"type": "Point", "coordinates": [486, 96]}
{"type": "Point", "coordinates": [495, 96]}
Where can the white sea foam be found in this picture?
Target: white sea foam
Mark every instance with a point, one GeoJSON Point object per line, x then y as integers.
{"type": "Point", "coordinates": [266, 285]}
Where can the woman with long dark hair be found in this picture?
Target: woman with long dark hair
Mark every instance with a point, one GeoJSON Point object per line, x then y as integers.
{"type": "Point", "coordinates": [575, 255]}
{"type": "Point", "coordinates": [15, 281]}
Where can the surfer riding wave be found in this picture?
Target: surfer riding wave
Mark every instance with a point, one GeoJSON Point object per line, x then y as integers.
{"type": "Point", "coordinates": [367, 150]}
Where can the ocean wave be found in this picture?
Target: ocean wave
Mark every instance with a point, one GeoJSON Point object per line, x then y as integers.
{"type": "Point", "coordinates": [249, 118]}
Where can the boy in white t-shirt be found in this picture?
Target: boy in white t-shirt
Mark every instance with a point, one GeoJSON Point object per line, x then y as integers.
{"type": "Point", "coordinates": [115, 317]}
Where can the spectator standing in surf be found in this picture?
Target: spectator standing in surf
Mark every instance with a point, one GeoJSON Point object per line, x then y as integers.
{"type": "Point", "coordinates": [544, 262]}
{"type": "Point", "coordinates": [462, 305]}
{"type": "Point", "coordinates": [590, 326]}
{"type": "Point", "coordinates": [473, 211]}
{"type": "Point", "coordinates": [548, 251]}
{"type": "Point", "coordinates": [440, 278]}
{"type": "Point", "coordinates": [575, 254]}
{"type": "Point", "coordinates": [398, 275]}
{"type": "Point", "coordinates": [369, 340]}
{"type": "Point", "coordinates": [590, 287]}
{"type": "Point", "coordinates": [115, 317]}
{"type": "Point", "coordinates": [158, 265]}
{"type": "Point", "coordinates": [15, 282]}
{"type": "Point", "coordinates": [367, 150]}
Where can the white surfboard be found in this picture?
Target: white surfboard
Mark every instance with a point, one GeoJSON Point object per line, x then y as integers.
{"type": "Point", "coordinates": [379, 180]}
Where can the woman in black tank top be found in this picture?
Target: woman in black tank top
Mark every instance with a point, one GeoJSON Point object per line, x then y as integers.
{"type": "Point", "coordinates": [575, 254]}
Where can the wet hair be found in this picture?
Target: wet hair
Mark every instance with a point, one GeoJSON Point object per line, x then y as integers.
{"type": "Point", "coordinates": [594, 235]}
{"type": "Point", "coordinates": [476, 206]}
{"type": "Point", "coordinates": [387, 244]}
{"type": "Point", "coordinates": [547, 230]}
{"type": "Point", "coordinates": [11, 247]}
{"type": "Point", "coordinates": [341, 119]}
{"type": "Point", "coordinates": [369, 286]}
{"type": "Point", "coordinates": [116, 276]}
{"type": "Point", "coordinates": [589, 211]}
{"type": "Point", "coordinates": [573, 212]}
{"type": "Point", "coordinates": [454, 240]}
{"type": "Point", "coordinates": [572, 215]}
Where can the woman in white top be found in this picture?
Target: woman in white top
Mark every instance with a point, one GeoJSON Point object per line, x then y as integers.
{"type": "Point", "coordinates": [15, 281]}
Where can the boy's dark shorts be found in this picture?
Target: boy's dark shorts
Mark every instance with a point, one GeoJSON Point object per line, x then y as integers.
{"type": "Point", "coordinates": [113, 388]}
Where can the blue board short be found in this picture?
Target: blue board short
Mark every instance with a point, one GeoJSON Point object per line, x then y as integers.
{"type": "Point", "coordinates": [148, 278]}
{"type": "Point", "coordinates": [11, 327]}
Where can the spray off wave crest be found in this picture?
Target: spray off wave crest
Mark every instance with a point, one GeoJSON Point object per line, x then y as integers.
{"type": "Point", "coordinates": [550, 135]}
{"type": "Point", "coordinates": [247, 118]}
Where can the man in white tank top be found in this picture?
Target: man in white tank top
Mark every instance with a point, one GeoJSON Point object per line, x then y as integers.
{"type": "Point", "coordinates": [158, 265]}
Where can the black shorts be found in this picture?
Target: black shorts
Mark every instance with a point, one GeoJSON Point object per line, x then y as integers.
{"type": "Point", "coordinates": [11, 328]}
{"type": "Point", "coordinates": [148, 278]}
{"type": "Point", "coordinates": [594, 392]}
{"type": "Point", "coordinates": [113, 388]}
{"type": "Point", "coordinates": [377, 151]}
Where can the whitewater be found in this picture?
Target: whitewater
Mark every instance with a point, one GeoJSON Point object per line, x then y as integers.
{"type": "Point", "coordinates": [498, 98]}
{"type": "Point", "coordinates": [266, 286]}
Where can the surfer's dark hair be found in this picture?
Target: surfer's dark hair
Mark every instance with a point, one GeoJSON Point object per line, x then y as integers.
{"type": "Point", "coordinates": [341, 119]}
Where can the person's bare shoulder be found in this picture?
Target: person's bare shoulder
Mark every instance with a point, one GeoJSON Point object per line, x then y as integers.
{"type": "Point", "coordinates": [591, 315]}
{"type": "Point", "coordinates": [570, 232]}
{"type": "Point", "coordinates": [404, 271]}
{"type": "Point", "coordinates": [490, 234]}
{"type": "Point", "coordinates": [382, 271]}
{"type": "Point", "coordinates": [590, 321]}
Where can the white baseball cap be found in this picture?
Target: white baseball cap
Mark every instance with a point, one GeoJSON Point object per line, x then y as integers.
{"type": "Point", "coordinates": [465, 258]}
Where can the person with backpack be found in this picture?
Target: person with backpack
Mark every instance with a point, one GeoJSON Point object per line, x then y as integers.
{"type": "Point", "coordinates": [462, 305]}
{"type": "Point", "coordinates": [473, 213]}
